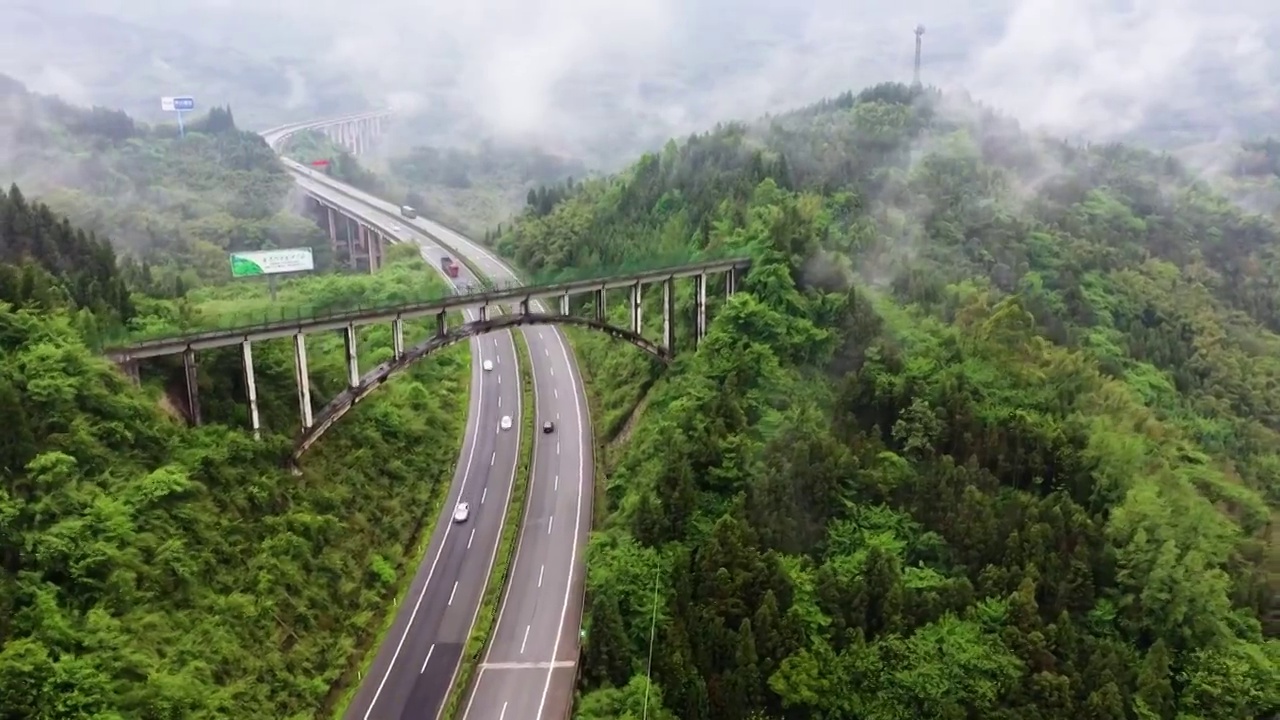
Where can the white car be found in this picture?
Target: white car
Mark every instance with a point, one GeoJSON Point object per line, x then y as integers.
{"type": "Point", "coordinates": [461, 512]}
{"type": "Point", "coordinates": [487, 365]}
{"type": "Point", "coordinates": [506, 422]}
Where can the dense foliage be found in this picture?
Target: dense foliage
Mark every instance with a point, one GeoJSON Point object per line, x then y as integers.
{"type": "Point", "coordinates": [991, 432]}
{"type": "Point", "coordinates": [148, 570]}
{"type": "Point", "coordinates": [47, 263]}
{"type": "Point", "coordinates": [481, 186]}
{"type": "Point", "coordinates": [179, 203]}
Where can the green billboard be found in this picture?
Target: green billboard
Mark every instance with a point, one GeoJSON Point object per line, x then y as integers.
{"type": "Point", "coordinates": [271, 262]}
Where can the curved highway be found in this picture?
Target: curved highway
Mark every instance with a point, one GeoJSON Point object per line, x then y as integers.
{"type": "Point", "coordinates": [528, 669]}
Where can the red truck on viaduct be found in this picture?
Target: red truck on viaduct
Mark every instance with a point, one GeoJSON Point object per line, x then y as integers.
{"type": "Point", "coordinates": [449, 267]}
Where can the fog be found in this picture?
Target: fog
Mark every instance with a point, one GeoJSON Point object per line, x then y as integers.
{"type": "Point", "coordinates": [604, 78]}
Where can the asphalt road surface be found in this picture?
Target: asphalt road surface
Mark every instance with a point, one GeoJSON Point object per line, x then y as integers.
{"type": "Point", "coordinates": [528, 669]}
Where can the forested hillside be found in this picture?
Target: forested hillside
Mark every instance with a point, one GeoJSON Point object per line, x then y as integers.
{"type": "Point", "coordinates": [149, 570]}
{"type": "Point", "coordinates": [991, 433]}
{"type": "Point", "coordinates": [47, 262]}
{"type": "Point", "coordinates": [178, 202]}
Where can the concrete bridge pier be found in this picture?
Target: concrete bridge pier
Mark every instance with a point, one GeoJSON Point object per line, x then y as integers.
{"type": "Point", "coordinates": [442, 323]}
{"type": "Point", "coordinates": [397, 338]}
{"type": "Point", "coordinates": [637, 295]}
{"type": "Point", "coordinates": [700, 319]}
{"type": "Point", "coordinates": [251, 389]}
{"type": "Point", "coordinates": [730, 283]}
{"type": "Point", "coordinates": [482, 313]}
{"type": "Point", "coordinates": [377, 249]}
{"type": "Point", "coordinates": [524, 306]}
{"type": "Point", "coordinates": [668, 314]}
{"type": "Point", "coordinates": [601, 311]}
{"type": "Point", "coordinates": [353, 362]}
{"type": "Point", "coordinates": [302, 373]}
{"type": "Point", "coordinates": [362, 243]}
{"type": "Point", "coordinates": [352, 232]}
{"type": "Point", "coordinates": [370, 243]}
{"type": "Point", "coordinates": [333, 230]}
{"type": "Point", "coordinates": [189, 370]}
{"type": "Point", "coordinates": [564, 304]}
{"type": "Point", "coordinates": [132, 371]}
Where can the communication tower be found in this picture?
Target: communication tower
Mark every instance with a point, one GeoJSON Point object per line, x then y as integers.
{"type": "Point", "coordinates": [919, 36]}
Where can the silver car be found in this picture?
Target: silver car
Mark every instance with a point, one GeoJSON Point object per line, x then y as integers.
{"type": "Point", "coordinates": [461, 512]}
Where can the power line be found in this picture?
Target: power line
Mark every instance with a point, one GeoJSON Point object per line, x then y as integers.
{"type": "Point", "coordinates": [653, 627]}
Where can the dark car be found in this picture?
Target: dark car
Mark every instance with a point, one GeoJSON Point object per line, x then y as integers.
{"type": "Point", "coordinates": [548, 426]}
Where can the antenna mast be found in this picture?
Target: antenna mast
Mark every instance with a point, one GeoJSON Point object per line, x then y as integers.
{"type": "Point", "coordinates": [919, 35]}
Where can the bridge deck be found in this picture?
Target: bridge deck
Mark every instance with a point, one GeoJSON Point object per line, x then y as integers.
{"type": "Point", "coordinates": [209, 339]}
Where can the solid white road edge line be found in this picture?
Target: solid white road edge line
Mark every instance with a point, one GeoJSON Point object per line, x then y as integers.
{"type": "Point", "coordinates": [444, 540]}
{"type": "Point", "coordinates": [577, 526]}
{"type": "Point", "coordinates": [524, 527]}
{"type": "Point", "coordinates": [376, 204]}
{"type": "Point", "coordinates": [453, 237]}
{"type": "Point", "coordinates": [502, 523]}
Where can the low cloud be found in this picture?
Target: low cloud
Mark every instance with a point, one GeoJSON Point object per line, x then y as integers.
{"type": "Point", "coordinates": [609, 77]}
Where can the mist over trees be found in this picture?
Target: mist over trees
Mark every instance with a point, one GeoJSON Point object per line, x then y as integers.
{"type": "Point", "coordinates": [990, 430]}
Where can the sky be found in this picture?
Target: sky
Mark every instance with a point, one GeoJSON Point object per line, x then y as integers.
{"type": "Point", "coordinates": [577, 75]}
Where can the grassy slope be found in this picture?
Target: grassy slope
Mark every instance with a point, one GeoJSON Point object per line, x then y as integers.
{"type": "Point", "coordinates": [278, 582]}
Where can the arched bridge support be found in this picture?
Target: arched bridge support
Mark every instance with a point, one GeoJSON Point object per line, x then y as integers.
{"type": "Point", "coordinates": [373, 379]}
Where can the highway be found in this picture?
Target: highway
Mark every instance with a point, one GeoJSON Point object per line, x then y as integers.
{"type": "Point", "coordinates": [527, 672]}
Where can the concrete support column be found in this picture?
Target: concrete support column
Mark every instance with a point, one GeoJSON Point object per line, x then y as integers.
{"type": "Point", "coordinates": [251, 388]}
{"type": "Point", "coordinates": [193, 388]}
{"type": "Point", "coordinates": [397, 338]}
{"type": "Point", "coordinates": [442, 323]}
{"type": "Point", "coordinates": [352, 229]}
{"type": "Point", "coordinates": [601, 298]}
{"type": "Point", "coordinates": [333, 228]}
{"type": "Point", "coordinates": [700, 321]}
{"type": "Point", "coordinates": [668, 315]}
{"type": "Point", "coordinates": [483, 313]}
{"type": "Point", "coordinates": [371, 238]}
{"type": "Point", "coordinates": [730, 283]}
{"type": "Point", "coordinates": [637, 294]}
{"type": "Point", "coordinates": [132, 371]}
{"type": "Point", "coordinates": [353, 363]}
{"type": "Point", "coordinates": [564, 304]}
{"type": "Point", "coordinates": [524, 306]}
{"type": "Point", "coordinates": [303, 375]}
